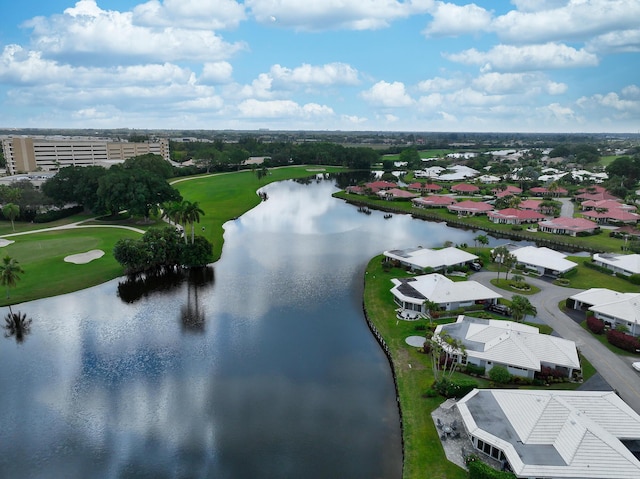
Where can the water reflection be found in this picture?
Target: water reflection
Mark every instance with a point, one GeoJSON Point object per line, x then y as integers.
{"type": "Point", "coordinates": [192, 314]}
{"type": "Point", "coordinates": [136, 287]}
{"type": "Point", "coordinates": [17, 325]}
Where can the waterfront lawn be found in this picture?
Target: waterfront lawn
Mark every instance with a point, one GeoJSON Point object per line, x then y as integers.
{"type": "Point", "coordinates": [41, 255]}
{"type": "Point", "coordinates": [227, 196]}
{"type": "Point", "coordinates": [423, 453]}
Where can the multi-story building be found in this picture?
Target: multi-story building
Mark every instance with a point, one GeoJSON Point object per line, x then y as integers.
{"type": "Point", "coordinates": [29, 154]}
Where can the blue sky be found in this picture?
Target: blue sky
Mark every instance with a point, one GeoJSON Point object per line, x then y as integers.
{"type": "Point", "coordinates": [412, 65]}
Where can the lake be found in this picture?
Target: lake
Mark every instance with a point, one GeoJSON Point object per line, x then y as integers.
{"type": "Point", "coordinates": [263, 366]}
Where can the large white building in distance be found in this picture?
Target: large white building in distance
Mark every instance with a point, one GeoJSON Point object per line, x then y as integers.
{"type": "Point", "coordinates": [25, 154]}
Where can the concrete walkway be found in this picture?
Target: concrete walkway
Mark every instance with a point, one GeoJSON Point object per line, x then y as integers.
{"type": "Point", "coordinates": [615, 370]}
{"type": "Point", "coordinates": [77, 224]}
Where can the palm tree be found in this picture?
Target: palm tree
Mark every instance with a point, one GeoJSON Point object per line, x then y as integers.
{"type": "Point", "coordinates": [9, 272]}
{"type": "Point", "coordinates": [430, 306]}
{"type": "Point", "coordinates": [482, 239]}
{"type": "Point", "coordinates": [191, 214]}
{"type": "Point", "coordinates": [499, 254]}
{"type": "Point", "coordinates": [11, 211]}
{"type": "Point", "coordinates": [521, 307]}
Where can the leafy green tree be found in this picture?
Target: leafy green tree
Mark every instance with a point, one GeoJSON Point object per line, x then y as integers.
{"type": "Point", "coordinates": [199, 253]}
{"type": "Point", "coordinates": [10, 271]}
{"type": "Point", "coordinates": [152, 163]}
{"type": "Point", "coordinates": [11, 211]}
{"type": "Point", "coordinates": [521, 307]}
{"type": "Point", "coordinates": [500, 375]}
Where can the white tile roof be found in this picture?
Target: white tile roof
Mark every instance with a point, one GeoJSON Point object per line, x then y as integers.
{"type": "Point", "coordinates": [544, 258]}
{"type": "Point", "coordinates": [560, 434]}
{"type": "Point", "coordinates": [442, 290]}
{"type": "Point", "coordinates": [626, 262]}
{"type": "Point", "coordinates": [511, 343]}
{"type": "Point", "coordinates": [625, 306]}
{"type": "Point", "coordinates": [431, 258]}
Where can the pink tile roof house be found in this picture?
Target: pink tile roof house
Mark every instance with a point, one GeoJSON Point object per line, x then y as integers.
{"type": "Point", "coordinates": [530, 205]}
{"type": "Point", "coordinates": [356, 190]}
{"type": "Point", "coordinates": [567, 226]}
{"type": "Point", "coordinates": [513, 216]}
{"type": "Point", "coordinates": [542, 191]}
{"type": "Point", "coordinates": [470, 208]}
{"type": "Point", "coordinates": [428, 187]}
{"type": "Point", "coordinates": [613, 215]}
{"type": "Point", "coordinates": [595, 193]}
{"type": "Point", "coordinates": [465, 188]}
{"type": "Point", "coordinates": [380, 185]}
{"type": "Point", "coordinates": [433, 201]}
{"type": "Point", "coordinates": [606, 205]}
{"type": "Point", "coordinates": [396, 194]}
{"type": "Point", "coordinates": [509, 191]}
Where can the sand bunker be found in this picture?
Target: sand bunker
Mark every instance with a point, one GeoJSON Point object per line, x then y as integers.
{"type": "Point", "coordinates": [5, 242]}
{"type": "Point", "coordinates": [83, 258]}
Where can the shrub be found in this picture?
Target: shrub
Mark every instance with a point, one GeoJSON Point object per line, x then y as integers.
{"type": "Point", "coordinates": [473, 369]}
{"type": "Point", "coordinates": [480, 470]}
{"type": "Point", "coordinates": [54, 215]}
{"type": "Point", "coordinates": [455, 388]}
{"type": "Point", "coordinates": [623, 340]}
{"type": "Point", "coordinates": [634, 279]}
{"type": "Point", "coordinates": [595, 325]}
{"type": "Point", "coordinates": [500, 375]}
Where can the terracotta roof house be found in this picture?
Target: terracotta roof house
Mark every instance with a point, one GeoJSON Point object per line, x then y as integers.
{"type": "Point", "coordinates": [623, 264]}
{"type": "Point", "coordinates": [567, 226]}
{"type": "Point", "coordinates": [628, 230]}
{"type": "Point", "coordinates": [419, 259]}
{"type": "Point", "coordinates": [605, 205]}
{"type": "Point", "coordinates": [376, 186]}
{"type": "Point", "coordinates": [411, 293]}
{"type": "Point", "coordinates": [356, 190]}
{"type": "Point", "coordinates": [465, 188]}
{"type": "Point", "coordinates": [470, 208]}
{"type": "Point", "coordinates": [433, 201]}
{"type": "Point", "coordinates": [612, 216]}
{"type": "Point", "coordinates": [594, 193]}
{"type": "Point", "coordinates": [520, 348]}
{"type": "Point", "coordinates": [530, 205]}
{"type": "Point", "coordinates": [396, 194]}
{"type": "Point", "coordinates": [612, 307]}
{"type": "Point", "coordinates": [542, 191]}
{"type": "Point", "coordinates": [513, 216]}
{"type": "Point", "coordinates": [424, 187]}
{"type": "Point", "coordinates": [509, 191]}
{"type": "Point", "coordinates": [554, 434]}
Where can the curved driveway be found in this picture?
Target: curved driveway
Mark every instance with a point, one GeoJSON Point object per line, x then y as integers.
{"type": "Point", "coordinates": [616, 370]}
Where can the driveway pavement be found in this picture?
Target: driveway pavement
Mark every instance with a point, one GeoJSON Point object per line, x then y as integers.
{"type": "Point", "coordinates": [615, 370]}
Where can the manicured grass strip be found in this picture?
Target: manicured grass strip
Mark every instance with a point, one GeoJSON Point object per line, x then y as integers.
{"type": "Point", "coordinates": [423, 453]}
{"type": "Point", "coordinates": [226, 196]}
{"type": "Point", "coordinates": [603, 339]}
{"type": "Point", "coordinates": [586, 278]}
{"type": "Point", "coordinates": [41, 255]}
{"type": "Point", "coordinates": [506, 285]}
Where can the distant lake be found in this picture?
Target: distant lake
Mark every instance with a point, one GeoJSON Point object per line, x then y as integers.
{"type": "Point", "coordinates": [262, 368]}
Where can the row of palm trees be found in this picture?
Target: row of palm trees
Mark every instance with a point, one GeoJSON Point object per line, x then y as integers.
{"type": "Point", "coordinates": [183, 212]}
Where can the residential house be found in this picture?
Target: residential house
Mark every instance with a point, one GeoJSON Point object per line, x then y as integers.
{"type": "Point", "coordinates": [396, 194]}
{"type": "Point", "coordinates": [543, 191]}
{"type": "Point", "coordinates": [622, 264]}
{"type": "Point", "coordinates": [376, 186]}
{"type": "Point", "coordinates": [411, 293]}
{"type": "Point", "coordinates": [614, 308]}
{"type": "Point", "coordinates": [421, 259]}
{"type": "Point", "coordinates": [554, 434]}
{"type": "Point", "coordinates": [544, 261]}
{"type": "Point", "coordinates": [514, 216]}
{"type": "Point", "coordinates": [567, 226]}
{"type": "Point", "coordinates": [470, 208]}
{"type": "Point", "coordinates": [424, 187]}
{"type": "Point", "coordinates": [465, 189]}
{"type": "Point", "coordinates": [433, 201]}
{"type": "Point", "coordinates": [518, 347]}
{"type": "Point", "coordinates": [510, 190]}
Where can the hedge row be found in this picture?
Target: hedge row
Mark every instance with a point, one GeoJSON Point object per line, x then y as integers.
{"type": "Point", "coordinates": [54, 215]}
{"type": "Point", "coordinates": [595, 325]}
{"type": "Point", "coordinates": [480, 470]}
{"type": "Point", "coordinates": [623, 340]}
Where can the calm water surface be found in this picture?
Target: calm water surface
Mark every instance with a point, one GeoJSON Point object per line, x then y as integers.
{"type": "Point", "coordinates": [264, 369]}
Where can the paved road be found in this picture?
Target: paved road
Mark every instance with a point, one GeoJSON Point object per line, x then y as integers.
{"type": "Point", "coordinates": [616, 370]}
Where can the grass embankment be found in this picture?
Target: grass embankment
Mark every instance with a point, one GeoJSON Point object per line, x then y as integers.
{"type": "Point", "coordinates": [224, 197]}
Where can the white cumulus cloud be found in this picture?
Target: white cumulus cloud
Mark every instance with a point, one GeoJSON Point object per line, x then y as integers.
{"type": "Point", "coordinates": [388, 95]}
{"type": "Point", "coordinates": [191, 14]}
{"type": "Point", "coordinates": [329, 74]}
{"type": "Point", "coordinates": [253, 108]}
{"type": "Point", "coordinates": [452, 20]}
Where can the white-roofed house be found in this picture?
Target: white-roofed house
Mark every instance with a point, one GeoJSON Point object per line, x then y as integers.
{"type": "Point", "coordinates": [623, 264]}
{"type": "Point", "coordinates": [544, 260]}
{"type": "Point", "coordinates": [612, 307]}
{"type": "Point", "coordinates": [554, 434]}
{"type": "Point", "coordinates": [518, 347]}
{"type": "Point", "coordinates": [412, 293]}
{"type": "Point", "coordinates": [423, 259]}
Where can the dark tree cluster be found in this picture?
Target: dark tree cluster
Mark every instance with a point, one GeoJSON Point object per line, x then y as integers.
{"type": "Point", "coordinates": [137, 185]}
{"type": "Point", "coordinates": [161, 250]}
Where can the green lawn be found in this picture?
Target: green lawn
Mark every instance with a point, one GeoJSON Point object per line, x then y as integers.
{"type": "Point", "coordinates": [227, 196]}
{"type": "Point", "coordinates": [506, 285]}
{"type": "Point", "coordinates": [586, 278]}
{"type": "Point", "coordinates": [41, 255]}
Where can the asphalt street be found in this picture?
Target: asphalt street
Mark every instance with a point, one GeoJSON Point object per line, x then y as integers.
{"type": "Point", "coordinates": [615, 370]}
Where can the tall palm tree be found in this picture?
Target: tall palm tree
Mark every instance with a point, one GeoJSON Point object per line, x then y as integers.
{"type": "Point", "coordinates": [174, 211]}
{"type": "Point", "coordinates": [11, 211]}
{"type": "Point", "coordinates": [191, 214]}
{"type": "Point", "coordinates": [10, 271]}
{"type": "Point", "coordinates": [521, 307]}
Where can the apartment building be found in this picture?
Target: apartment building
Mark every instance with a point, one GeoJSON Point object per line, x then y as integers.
{"type": "Point", "coordinates": [29, 154]}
